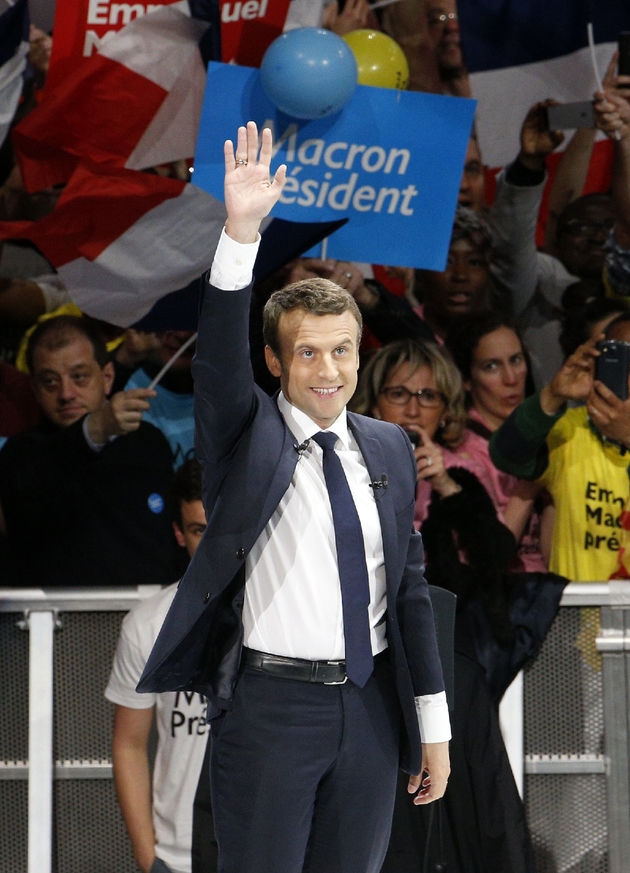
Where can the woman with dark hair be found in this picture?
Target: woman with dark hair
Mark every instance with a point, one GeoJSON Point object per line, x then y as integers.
{"type": "Point", "coordinates": [465, 285]}
{"type": "Point", "coordinates": [481, 823]}
{"type": "Point", "coordinates": [489, 353]}
{"type": "Point", "coordinates": [439, 297]}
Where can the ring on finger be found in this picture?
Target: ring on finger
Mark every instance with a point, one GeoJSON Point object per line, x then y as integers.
{"type": "Point", "coordinates": [429, 461]}
{"type": "Point", "coordinates": [348, 275]}
{"type": "Point", "coordinates": [240, 162]}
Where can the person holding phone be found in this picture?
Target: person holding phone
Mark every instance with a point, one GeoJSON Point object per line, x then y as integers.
{"type": "Point", "coordinates": [580, 455]}
{"type": "Point", "coordinates": [591, 243]}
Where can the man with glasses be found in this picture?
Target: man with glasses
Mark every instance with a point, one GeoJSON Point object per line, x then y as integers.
{"type": "Point", "coordinates": [445, 37]}
{"type": "Point", "coordinates": [428, 32]}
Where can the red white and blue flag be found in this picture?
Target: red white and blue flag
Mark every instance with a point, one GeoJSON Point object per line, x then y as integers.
{"type": "Point", "coordinates": [134, 104]}
{"type": "Point", "coordinates": [120, 240]}
{"type": "Point", "coordinates": [130, 247]}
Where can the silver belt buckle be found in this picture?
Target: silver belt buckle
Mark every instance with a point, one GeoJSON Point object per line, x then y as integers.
{"type": "Point", "coordinates": [343, 681]}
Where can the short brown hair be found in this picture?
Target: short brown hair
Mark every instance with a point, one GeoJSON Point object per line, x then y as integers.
{"type": "Point", "coordinates": [62, 330]}
{"type": "Point", "coordinates": [317, 296]}
{"type": "Point", "coordinates": [417, 354]}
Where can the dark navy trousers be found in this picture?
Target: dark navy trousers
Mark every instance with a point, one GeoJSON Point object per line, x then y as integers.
{"type": "Point", "coordinates": [303, 776]}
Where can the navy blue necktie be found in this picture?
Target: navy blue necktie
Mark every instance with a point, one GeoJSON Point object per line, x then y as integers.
{"type": "Point", "coordinates": [355, 590]}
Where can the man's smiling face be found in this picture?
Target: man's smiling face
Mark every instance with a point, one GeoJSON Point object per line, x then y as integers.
{"type": "Point", "coordinates": [318, 363]}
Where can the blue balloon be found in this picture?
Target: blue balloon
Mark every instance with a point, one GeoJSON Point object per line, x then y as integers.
{"type": "Point", "coordinates": [309, 72]}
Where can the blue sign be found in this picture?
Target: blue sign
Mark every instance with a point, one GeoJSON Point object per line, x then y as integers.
{"type": "Point", "coordinates": [390, 161]}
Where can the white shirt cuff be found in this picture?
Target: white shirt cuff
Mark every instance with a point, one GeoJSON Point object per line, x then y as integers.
{"type": "Point", "coordinates": [233, 265]}
{"type": "Point", "coordinates": [433, 719]}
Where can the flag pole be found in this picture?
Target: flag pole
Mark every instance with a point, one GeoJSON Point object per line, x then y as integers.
{"type": "Point", "coordinates": [171, 361]}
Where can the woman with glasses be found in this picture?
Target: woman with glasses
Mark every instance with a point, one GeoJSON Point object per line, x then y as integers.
{"type": "Point", "coordinates": [416, 385]}
{"type": "Point", "coordinates": [481, 824]}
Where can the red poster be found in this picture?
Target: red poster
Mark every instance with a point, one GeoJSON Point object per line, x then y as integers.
{"type": "Point", "coordinates": [248, 27]}
{"type": "Point", "coordinates": [81, 27]}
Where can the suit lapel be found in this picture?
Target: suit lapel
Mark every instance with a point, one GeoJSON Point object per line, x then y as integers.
{"type": "Point", "coordinates": [379, 470]}
{"type": "Point", "coordinates": [282, 476]}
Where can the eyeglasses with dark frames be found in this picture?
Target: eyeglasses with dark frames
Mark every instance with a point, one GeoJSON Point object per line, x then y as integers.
{"type": "Point", "coordinates": [400, 396]}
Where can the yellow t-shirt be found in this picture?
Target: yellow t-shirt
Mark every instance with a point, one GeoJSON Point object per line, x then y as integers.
{"type": "Point", "coordinates": [588, 480]}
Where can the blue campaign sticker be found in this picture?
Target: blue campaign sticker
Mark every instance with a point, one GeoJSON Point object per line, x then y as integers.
{"type": "Point", "coordinates": [155, 502]}
{"type": "Point", "coordinates": [390, 162]}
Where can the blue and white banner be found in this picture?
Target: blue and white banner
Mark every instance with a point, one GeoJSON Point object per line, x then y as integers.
{"type": "Point", "coordinates": [390, 161]}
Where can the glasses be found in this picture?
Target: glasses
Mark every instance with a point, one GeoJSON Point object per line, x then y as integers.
{"type": "Point", "coordinates": [579, 227]}
{"type": "Point", "coordinates": [442, 18]}
{"type": "Point", "coordinates": [400, 396]}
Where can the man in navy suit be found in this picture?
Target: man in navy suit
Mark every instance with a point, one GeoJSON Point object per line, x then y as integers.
{"type": "Point", "coordinates": [317, 695]}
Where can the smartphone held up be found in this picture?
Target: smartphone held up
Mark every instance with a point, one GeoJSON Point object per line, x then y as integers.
{"type": "Point", "coordinates": [612, 365]}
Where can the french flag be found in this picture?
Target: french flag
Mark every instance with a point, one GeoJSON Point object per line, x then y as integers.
{"type": "Point", "coordinates": [130, 247]}
{"type": "Point", "coordinates": [135, 104]}
{"type": "Point", "coordinates": [14, 47]}
{"type": "Point", "coordinates": [121, 240]}
{"type": "Point", "coordinates": [519, 52]}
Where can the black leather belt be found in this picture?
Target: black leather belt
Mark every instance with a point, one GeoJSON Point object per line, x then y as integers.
{"type": "Point", "coordinates": [323, 672]}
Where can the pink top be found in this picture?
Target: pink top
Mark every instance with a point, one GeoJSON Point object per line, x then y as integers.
{"type": "Point", "coordinates": [500, 486]}
{"type": "Point", "coordinates": [473, 454]}
{"type": "Point", "coordinates": [451, 459]}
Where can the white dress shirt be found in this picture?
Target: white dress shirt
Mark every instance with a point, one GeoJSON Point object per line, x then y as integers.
{"type": "Point", "coordinates": [293, 594]}
{"type": "Point", "coordinates": [292, 603]}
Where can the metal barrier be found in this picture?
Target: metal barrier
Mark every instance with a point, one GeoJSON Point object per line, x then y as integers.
{"type": "Point", "coordinates": [576, 708]}
{"type": "Point", "coordinates": [57, 803]}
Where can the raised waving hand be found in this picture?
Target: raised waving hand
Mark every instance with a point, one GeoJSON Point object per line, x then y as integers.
{"type": "Point", "coordinates": [250, 192]}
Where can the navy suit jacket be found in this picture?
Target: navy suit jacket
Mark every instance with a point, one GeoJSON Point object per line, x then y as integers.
{"type": "Point", "coordinates": [248, 456]}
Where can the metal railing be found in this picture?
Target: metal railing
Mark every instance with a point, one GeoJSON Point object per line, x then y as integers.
{"type": "Point", "coordinates": [54, 742]}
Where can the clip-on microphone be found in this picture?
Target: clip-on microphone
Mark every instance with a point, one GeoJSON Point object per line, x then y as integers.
{"type": "Point", "coordinates": [302, 447]}
{"type": "Point", "coordinates": [379, 483]}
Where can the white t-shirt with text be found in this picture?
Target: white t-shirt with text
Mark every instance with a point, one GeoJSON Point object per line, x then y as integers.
{"type": "Point", "coordinates": [181, 728]}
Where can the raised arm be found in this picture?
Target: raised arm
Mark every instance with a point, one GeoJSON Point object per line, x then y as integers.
{"type": "Point", "coordinates": [612, 115]}
{"type": "Point", "coordinates": [515, 210]}
{"type": "Point", "coordinates": [572, 170]}
{"type": "Point", "coordinates": [519, 445]}
{"type": "Point", "coordinates": [569, 180]}
{"type": "Point", "coordinates": [224, 386]}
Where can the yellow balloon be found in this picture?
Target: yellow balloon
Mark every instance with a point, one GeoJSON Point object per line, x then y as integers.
{"type": "Point", "coordinates": [380, 60]}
